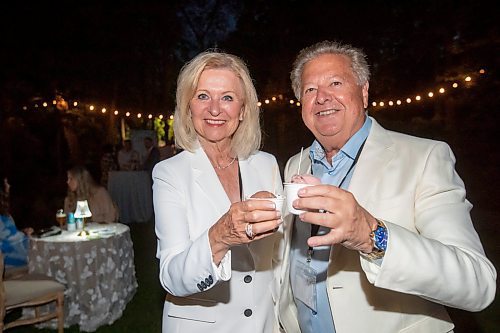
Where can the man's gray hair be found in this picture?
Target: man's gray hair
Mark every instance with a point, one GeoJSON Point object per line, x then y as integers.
{"type": "Point", "coordinates": [359, 64]}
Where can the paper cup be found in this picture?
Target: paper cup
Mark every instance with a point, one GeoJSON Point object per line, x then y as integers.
{"type": "Point", "coordinates": [278, 201]}
{"type": "Point", "coordinates": [291, 190]}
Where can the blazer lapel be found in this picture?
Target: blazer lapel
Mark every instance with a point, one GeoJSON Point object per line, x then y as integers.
{"type": "Point", "coordinates": [248, 173]}
{"type": "Point", "coordinates": [208, 182]}
{"type": "Point", "coordinates": [372, 162]}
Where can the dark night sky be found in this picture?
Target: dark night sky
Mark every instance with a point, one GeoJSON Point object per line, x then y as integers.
{"type": "Point", "coordinates": [130, 55]}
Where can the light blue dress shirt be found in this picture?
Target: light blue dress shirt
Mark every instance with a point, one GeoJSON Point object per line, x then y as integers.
{"type": "Point", "coordinates": [311, 321]}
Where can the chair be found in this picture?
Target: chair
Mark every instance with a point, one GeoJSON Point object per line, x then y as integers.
{"type": "Point", "coordinates": [14, 272]}
{"type": "Point", "coordinates": [30, 291]}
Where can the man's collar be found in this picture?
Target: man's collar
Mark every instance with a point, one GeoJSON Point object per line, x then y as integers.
{"type": "Point", "coordinates": [351, 147]}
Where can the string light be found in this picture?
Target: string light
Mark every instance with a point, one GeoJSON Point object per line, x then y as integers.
{"type": "Point", "coordinates": [376, 104]}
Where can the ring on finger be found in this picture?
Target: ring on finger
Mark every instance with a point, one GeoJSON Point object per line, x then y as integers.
{"type": "Point", "coordinates": [249, 231]}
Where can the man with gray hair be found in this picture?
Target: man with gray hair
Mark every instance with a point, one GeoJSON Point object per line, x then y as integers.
{"type": "Point", "coordinates": [386, 238]}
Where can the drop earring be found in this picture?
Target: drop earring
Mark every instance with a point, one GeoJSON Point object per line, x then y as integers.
{"type": "Point", "coordinates": [241, 117]}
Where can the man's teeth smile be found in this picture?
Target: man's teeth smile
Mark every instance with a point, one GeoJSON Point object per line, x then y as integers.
{"type": "Point", "coordinates": [326, 112]}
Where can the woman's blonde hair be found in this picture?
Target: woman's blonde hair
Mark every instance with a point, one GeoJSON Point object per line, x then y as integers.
{"type": "Point", "coordinates": [86, 185]}
{"type": "Point", "coordinates": [247, 138]}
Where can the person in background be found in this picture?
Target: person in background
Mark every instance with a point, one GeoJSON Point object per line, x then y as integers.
{"type": "Point", "coordinates": [219, 254]}
{"type": "Point", "coordinates": [13, 243]}
{"type": "Point", "coordinates": [108, 163]}
{"type": "Point", "coordinates": [128, 158]}
{"type": "Point", "coordinates": [152, 155]}
{"type": "Point", "coordinates": [387, 238]}
{"type": "Point", "coordinates": [81, 186]}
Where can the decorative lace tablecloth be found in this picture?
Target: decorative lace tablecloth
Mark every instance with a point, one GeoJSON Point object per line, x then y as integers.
{"type": "Point", "coordinates": [98, 272]}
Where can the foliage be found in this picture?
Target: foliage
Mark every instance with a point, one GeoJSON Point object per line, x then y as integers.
{"type": "Point", "coordinates": [159, 127]}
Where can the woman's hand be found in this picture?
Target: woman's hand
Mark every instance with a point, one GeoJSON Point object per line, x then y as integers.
{"type": "Point", "coordinates": [230, 229]}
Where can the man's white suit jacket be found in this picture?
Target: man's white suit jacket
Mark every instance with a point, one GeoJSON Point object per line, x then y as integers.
{"type": "Point", "coordinates": [434, 255]}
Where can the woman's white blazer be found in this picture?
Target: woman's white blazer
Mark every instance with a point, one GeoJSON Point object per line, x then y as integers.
{"type": "Point", "coordinates": [241, 293]}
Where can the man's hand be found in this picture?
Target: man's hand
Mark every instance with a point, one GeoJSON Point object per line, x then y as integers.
{"type": "Point", "coordinates": [338, 210]}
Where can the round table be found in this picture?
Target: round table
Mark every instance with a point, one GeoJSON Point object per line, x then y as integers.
{"type": "Point", "coordinates": [97, 270]}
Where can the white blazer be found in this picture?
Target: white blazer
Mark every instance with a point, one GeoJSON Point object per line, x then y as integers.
{"type": "Point", "coordinates": [434, 255]}
{"type": "Point", "coordinates": [238, 296]}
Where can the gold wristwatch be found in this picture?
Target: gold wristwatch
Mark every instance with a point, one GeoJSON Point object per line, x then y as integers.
{"type": "Point", "coordinates": [379, 237]}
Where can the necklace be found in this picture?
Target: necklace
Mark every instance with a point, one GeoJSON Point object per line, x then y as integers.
{"type": "Point", "coordinates": [218, 167]}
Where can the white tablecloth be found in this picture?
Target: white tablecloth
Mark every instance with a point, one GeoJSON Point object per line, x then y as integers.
{"type": "Point", "coordinates": [131, 190]}
{"type": "Point", "coordinates": [98, 273]}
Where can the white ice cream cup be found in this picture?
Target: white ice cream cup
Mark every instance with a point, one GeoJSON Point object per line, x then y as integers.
{"type": "Point", "coordinates": [291, 190]}
{"type": "Point", "coordinates": [278, 201]}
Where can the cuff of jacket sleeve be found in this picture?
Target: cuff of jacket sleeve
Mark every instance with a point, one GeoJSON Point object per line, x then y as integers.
{"type": "Point", "coordinates": [223, 271]}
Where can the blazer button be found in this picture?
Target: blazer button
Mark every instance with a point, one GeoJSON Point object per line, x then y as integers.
{"type": "Point", "coordinates": [207, 282]}
{"type": "Point", "coordinates": [247, 279]}
{"type": "Point", "coordinates": [210, 279]}
{"type": "Point", "coordinates": [203, 284]}
{"type": "Point", "coordinates": [247, 313]}
{"type": "Point", "coordinates": [199, 287]}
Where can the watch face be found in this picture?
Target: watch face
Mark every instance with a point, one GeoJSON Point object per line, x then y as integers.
{"type": "Point", "coordinates": [380, 237]}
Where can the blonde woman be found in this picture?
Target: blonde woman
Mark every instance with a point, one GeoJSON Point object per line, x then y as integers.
{"type": "Point", "coordinates": [218, 253]}
{"type": "Point", "coordinates": [81, 186]}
